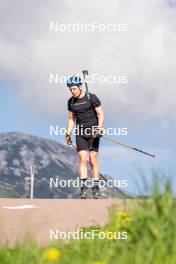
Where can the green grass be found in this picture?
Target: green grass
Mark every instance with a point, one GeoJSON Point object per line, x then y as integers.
{"type": "Point", "coordinates": [151, 228]}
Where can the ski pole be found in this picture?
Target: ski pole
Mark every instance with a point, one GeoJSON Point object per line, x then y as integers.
{"type": "Point", "coordinates": [85, 73]}
{"type": "Point", "coordinates": [128, 146]}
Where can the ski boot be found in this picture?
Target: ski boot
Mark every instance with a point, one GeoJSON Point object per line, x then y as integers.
{"type": "Point", "coordinates": [95, 190]}
{"type": "Point", "coordinates": [83, 192]}
{"type": "Point", "coordinates": [83, 195]}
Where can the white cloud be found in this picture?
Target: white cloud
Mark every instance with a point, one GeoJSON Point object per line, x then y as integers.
{"type": "Point", "coordinates": [29, 52]}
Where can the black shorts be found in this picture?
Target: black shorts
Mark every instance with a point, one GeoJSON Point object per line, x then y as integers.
{"type": "Point", "coordinates": [91, 144]}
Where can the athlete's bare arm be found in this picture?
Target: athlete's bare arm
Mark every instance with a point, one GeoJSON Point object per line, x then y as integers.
{"type": "Point", "coordinates": [70, 122]}
{"type": "Point", "coordinates": [100, 115]}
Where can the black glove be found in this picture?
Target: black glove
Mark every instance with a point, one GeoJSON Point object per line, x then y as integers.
{"type": "Point", "coordinates": [68, 140]}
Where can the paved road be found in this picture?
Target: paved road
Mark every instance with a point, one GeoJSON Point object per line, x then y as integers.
{"type": "Point", "coordinates": [37, 217]}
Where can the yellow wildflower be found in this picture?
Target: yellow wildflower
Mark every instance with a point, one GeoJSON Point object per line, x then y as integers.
{"type": "Point", "coordinates": [128, 220]}
{"type": "Point", "coordinates": [109, 234]}
{"type": "Point", "coordinates": [52, 254]}
{"type": "Point", "coordinates": [122, 214]}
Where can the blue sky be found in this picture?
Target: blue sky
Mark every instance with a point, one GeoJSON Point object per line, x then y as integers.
{"type": "Point", "coordinates": [146, 53]}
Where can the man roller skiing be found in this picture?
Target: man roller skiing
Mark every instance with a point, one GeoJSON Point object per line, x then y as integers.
{"type": "Point", "coordinates": [86, 111]}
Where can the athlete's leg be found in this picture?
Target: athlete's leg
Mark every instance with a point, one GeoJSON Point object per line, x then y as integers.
{"type": "Point", "coordinates": [82, 147]}
{"type": "Point", "coordinates": [95, 174]}
{"type": "Point", "coordinates": [94, 165]}
{"type": "Point", "coordinates": [83, 160]}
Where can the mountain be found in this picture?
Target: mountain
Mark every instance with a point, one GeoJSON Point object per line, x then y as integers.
{"type": "Point", "coordinates": [50, 159]}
